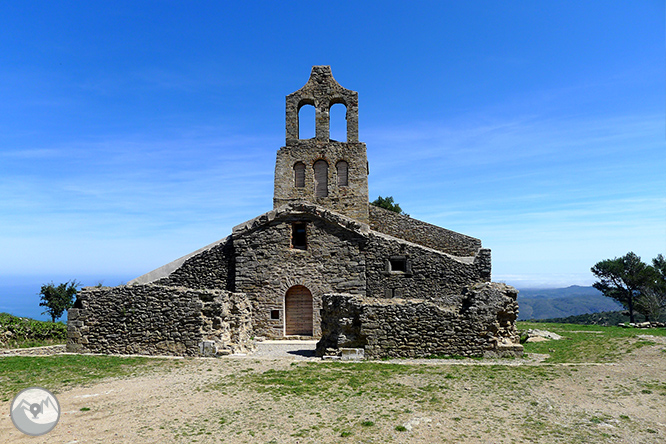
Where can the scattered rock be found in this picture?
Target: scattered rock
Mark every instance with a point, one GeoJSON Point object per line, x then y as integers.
{"type": "Point", "coordinates": [409, 425]}
{"type": "Point", "coordinates": [534, 335]}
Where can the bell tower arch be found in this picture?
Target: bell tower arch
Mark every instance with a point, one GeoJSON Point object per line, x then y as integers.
{"type": "Point", "coordinates": [347, 194]}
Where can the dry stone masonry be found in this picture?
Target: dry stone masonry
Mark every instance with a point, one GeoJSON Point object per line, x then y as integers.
{"type": "Point", "coordinates": [480, 323]}
{"type": "Point", "coordinates": [322, 263]}
{"type": "Point", "coordinates": [159, 320]}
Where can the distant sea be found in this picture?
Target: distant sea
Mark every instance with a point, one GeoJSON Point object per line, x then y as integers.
{"type": "Point", "coordinates": [20, 296]}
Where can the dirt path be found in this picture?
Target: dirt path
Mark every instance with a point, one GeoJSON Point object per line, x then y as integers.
{"type": "Point", "coordinates": [223, 400]}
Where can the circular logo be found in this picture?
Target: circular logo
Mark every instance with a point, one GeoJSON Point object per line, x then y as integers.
{"type": "Point", "coordinates": [35, 411]}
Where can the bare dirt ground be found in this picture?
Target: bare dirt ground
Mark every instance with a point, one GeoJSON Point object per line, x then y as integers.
{"type": "Point", "coordinates": [231, 400]}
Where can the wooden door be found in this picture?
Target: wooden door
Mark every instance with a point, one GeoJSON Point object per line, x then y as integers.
{"type": "Point", "coordinates": [298, 311]}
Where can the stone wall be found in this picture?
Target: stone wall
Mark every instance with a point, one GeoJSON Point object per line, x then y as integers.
{"type": "Point", "coordinates": [482, 324]}
{"type": "Point", "coordinates": [322, 91]}
{"type": "Point", "coordinates": [430, 274]}
{"type": "Point", "coordinates": [350, 200]}
{"type": "Point", "coordinates": [422, 233]}
{"type": "Point", "coordinates": [212, 268]}
{"type": "Point", "coordinates": [267, 265]}
{"type": "Point", "coordinates": [158, 320]}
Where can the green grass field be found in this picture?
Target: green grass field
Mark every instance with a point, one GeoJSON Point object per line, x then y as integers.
{"type": "Point", "coordinates": [62, 371]}
{"type": "Point", "coordinates": [359, 401]}
{"type": "Point", "coordinates": [588, 343]}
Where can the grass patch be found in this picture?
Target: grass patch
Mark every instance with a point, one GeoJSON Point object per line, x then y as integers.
{"type": "Point", "coordinates": [609, 345]}
{"type": "Point", "coordinates": [56, 372]}
{"type": "Point", "coordinates": [325, 380]}
{"type": "Point", "coordinates": [348, 384]}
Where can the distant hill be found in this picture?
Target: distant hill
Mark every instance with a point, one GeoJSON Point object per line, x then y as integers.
{"type": "Point", "coordinates": [548, 303]}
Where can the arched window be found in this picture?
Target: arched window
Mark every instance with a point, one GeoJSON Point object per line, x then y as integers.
{"type": "Point", "coordinates": [342, 169]}
{"type": "Point", "coordinates": [306, 122]}
{"type": "Point", "coordinates": [338, 122]}
{"type": "Point", "coordinates": [321, 178]}
{"type": "Point", "coordinates": [299, 174]}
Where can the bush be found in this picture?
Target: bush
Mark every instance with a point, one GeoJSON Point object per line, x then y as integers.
{"type": "Point", "coordinates": [26, 332]}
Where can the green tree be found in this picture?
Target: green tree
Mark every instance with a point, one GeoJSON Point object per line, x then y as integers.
{"type": "Point", "coordinates": [58, 298]}
{"type": "Point", "coordinates": [659, 265]}
{"type": "Point", "coordinates": [387, 203]}
{"type": "Point", "coordinates": [652, 301]}
{"type": "Point", "coordinates": [622, 279]}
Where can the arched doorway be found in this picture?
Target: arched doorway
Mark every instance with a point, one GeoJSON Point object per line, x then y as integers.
{"type": "Point", "coordinates": [298, 311]}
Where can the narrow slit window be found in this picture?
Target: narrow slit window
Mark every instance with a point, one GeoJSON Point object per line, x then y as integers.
{"type": "Point", "coordinates": [321, 178]}
{"type": "Point", "coordinates": [299, 175]}
{"type": "Point", "coordinates": [299, 235]}
{"type": "Point", "coordinates": [342, 168]}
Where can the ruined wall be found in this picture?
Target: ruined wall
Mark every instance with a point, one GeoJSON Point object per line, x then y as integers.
{"type": "Point", "coordinates": [483, 324]}
{"type": "Point", "coordinates": [422, 233]}
{"type": "Point", "coordinates": [267, 265]}
{"type": "Point", "coordinates": [157, 320]}
{"type": "Point", "coordinates": [350, 200]}
{"type": "Point", "coordinates": [430, 274]}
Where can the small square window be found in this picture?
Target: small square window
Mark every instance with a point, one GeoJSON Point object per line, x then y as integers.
{"type": "Point", "coordinates": [398, 265]}
{"type": "Point", "coordinates": [299, 235]}
{"type": "Point", "coordinates": [275, 314]}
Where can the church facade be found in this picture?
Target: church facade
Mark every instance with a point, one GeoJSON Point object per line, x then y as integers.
{"type": "Point", "coordinates": [323, 263]}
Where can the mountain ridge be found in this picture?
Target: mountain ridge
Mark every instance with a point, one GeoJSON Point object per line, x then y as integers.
{"type": "Point", "coordinates": [547, 303]}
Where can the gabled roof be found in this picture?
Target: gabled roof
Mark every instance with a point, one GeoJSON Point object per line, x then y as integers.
{"type": "Point", "coordinates": [304, 208]}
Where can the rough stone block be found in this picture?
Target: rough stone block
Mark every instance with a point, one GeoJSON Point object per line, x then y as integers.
{"type": "Point", "coordinates": [208, 348]}
{"type": "Point", "coordinates": [352, 354]}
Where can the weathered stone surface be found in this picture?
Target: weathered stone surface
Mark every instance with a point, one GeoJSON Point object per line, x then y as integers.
{"type": "Point", "coordinates": [422, 233]}
{"type": "Point", "coordinates": [331, 262]}
{"type": "Point", "coordinates": [212, 268]}
{"type": "Point", "coordinates": [432, 274]}
{"type": "Point", "coordinates": [482, 323]}
{"type": "Point", "coordinates": [534, 335]}
{"type": "Point", "coordinates": [349, 198]}
{"type": "Point", "coordinates": [352, 354]}
{"type": "Point", "coordinates": [398, 286]}
{"type": "Point", "coordinates": [157, 320]}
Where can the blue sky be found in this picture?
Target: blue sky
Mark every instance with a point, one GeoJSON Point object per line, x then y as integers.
{"type": "Point", "coordinates": [136, 132]}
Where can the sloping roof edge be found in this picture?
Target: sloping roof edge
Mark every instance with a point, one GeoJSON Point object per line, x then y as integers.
{"type": "Point", "coordinates": [166, 270]}
{"type": "Point", "coordinates": [303, 207]}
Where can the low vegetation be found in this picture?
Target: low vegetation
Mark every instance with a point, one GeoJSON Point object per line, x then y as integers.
{"type": "Point", "coordinates": [588, 343]}
{"type": "Point", "coordinates": [604, 318]}
{"type": "Point", "coordinates": [62, 371]}
{"type": "Point", "coordinates": [17, 332]}
{"type": "Point", "coordinates": [510, 400]}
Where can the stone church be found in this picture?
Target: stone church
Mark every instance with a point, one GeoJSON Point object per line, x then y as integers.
{"type": "Point", "coordinates": [323, 263]}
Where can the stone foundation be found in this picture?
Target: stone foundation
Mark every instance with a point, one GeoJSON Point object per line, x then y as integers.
{"type": "Point", "coordinates": [482, 324]}
{"type": "Point", "coordinates": [158, 320]}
